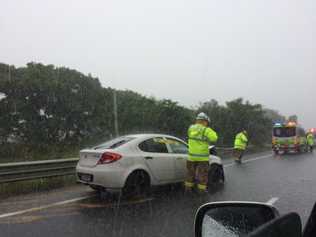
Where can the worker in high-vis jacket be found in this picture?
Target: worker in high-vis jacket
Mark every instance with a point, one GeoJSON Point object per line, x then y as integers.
{"type": "Point", "coordinates": [200, 136]}
{"type": "Point", "coordinates": [240, 145]}
{"type": "Point", "coordinates": [310, 141]}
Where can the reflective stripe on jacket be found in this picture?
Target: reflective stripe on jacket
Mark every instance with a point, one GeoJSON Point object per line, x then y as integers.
{"type": "Point", "coordinates": [199, 139]}
{"type": "Point", "coordinates": [241, 141]}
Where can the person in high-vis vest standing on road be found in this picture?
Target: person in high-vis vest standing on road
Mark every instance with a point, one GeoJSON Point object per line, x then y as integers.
{"type": "Point", "coordinates": [240, 144]}
{"type": "Point", "coordinates": [199, 138]}
{"type": "Point", "coordinates": [310, 141]}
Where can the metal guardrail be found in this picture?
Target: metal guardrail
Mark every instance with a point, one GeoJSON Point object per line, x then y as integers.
{"type": "Point", "coordinates": [21, 171]}
{"type": "Point", "coordinates": [227, 152]}
{"type": "Point", "coordinates": [224, 152]}
{"type": "Point", "coordinates": [222, 149]}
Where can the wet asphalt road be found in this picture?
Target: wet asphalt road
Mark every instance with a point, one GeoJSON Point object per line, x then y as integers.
{"type": "Point", "coordinates": [168, 212]}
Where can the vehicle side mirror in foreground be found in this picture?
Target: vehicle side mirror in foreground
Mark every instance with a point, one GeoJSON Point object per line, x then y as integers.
{"type": "Point", "coordinates": [310, 228]}
{"type": "Point", "coordinates": [288, 225]}
{"type": "Point", "coordinates": [232, 218]}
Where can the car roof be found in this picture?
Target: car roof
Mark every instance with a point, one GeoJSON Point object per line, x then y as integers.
{"type": "Point", "coordinates": [149, 135]}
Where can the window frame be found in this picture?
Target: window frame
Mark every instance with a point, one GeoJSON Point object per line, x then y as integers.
{"type": "Point", "coordinates": [181, 142]}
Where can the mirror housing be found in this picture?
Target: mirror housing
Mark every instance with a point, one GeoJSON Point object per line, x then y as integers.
{"type": "Point", "coordinates": [310, 227]}
{"type": "Point", "coordinates": [212, 150]}
{"type": "Point", "coordinates": [288, 225]}
{"type": "Point", "coordinates": [232, 218]}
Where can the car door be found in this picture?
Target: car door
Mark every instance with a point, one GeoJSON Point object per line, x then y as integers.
{"type": "Point", "coordinates": [179, 152]}
{"type": "Point", "coordinates": [157, 157]}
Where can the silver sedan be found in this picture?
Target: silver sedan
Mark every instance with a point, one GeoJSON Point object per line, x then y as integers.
{"type": "Point", "coordinates": [133, 163]}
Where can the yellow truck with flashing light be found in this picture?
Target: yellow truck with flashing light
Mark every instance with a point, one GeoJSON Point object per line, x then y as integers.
{"type": "Point", "coordinates": [288, 137]}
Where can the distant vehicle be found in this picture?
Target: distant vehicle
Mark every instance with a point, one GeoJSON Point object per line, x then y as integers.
{"type": "Point", "coordinates": [133, 163]}
{"type": "Point", "coordinates": [288, 137]}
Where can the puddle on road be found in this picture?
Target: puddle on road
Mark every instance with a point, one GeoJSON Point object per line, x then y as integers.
{"type": "Point", "coordinates": [114, 203]}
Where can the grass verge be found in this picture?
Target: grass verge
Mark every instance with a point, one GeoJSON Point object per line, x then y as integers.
{"type": "Point", "coordinates": [39, 185]}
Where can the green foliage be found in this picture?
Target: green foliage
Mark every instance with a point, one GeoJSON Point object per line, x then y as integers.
{"type": "Point", "coordinates": [138, 114]}
{"type": "Point", "coordinates": [235, 116]}
{"type": "Point", "coordinates": [48, 105]}
{"type": "Point", "coordinates": [275, 116]}
{"type": "Point", "coordinates": [48, 110]}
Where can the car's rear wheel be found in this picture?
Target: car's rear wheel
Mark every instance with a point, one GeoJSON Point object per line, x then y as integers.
{"type": "Point", "coordinates": [216, 174]}
{"type": "Point", "coordinates": [137, 183]}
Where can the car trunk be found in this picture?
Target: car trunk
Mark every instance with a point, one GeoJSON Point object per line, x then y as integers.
{"type": "Point", "coordinates": [89, 158]}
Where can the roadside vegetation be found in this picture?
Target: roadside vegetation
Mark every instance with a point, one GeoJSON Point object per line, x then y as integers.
{"type": "Point", "coordinates": [49, 112]}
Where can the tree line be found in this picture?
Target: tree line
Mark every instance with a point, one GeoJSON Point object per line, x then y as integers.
{"type": "Point", "coordinates": [44, 107]}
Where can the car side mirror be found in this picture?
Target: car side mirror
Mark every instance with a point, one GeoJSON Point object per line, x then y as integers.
{"type": "Point", "coordinates": [232, 218]}
{"type": "Point", "coordinates": [212, 150]}
{"type": "Point", "coordinates": [310, 227]}
{"type": "Point", "coordinates": [288, 225]}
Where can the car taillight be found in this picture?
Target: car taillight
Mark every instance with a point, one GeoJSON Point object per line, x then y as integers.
{"type": "Point", "coordinates": [108, 157]}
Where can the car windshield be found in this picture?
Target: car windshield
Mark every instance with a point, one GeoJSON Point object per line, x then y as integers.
{"type": "Point", "coordinates": [284, 132]}
{"type": "Point", "coordinates": [115, 143]}
{"type": "Point", "coordinates": [108, 110]}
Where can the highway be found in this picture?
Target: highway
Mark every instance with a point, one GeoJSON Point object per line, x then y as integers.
{"type": "Point", "coordinates": [288, 181]}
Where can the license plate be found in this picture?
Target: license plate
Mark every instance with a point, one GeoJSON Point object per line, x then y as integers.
{"type": "Point", "coordinates": [86, 177]}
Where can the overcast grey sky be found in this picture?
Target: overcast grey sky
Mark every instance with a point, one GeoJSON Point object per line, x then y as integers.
{"type": "Point", "coordinates": [188, 51]}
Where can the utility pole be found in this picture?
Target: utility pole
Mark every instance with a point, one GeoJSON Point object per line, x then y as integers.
{"type": "Point", "coordinates": [115, 113]}
{"type": "Point", "coordinates": [14, 102]}
{"type": "Point", "coordinates": [9, 73]}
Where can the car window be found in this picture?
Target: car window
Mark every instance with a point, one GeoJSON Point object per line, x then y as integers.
{"type": "Point", "coordinates": [156, 145]}
{"type": "Point", "coordinates": [277, 132]}
{"type": "Point", "coordinates": [176, 146]}
{"type": "Point", "coordinates": [115, 143]}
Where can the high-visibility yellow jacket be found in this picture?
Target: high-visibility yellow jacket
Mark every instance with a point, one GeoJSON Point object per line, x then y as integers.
{"type": "Point", "coordinates": [241, 141]}
{"type": "Point", "coordinates": [310, 139]}
{"type": "Point", "coordinates": [200, 138]}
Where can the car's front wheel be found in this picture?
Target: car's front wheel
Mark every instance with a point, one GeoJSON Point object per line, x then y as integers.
{"type": "Point", "coordinates": [137, 183]}
{"type": "Point", "coordinates": [216, 174]}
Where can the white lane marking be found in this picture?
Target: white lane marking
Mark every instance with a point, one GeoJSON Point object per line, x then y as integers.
{"type": "Point", "coordinates": [272, 201]}
{"type": "Point", "coordinates": [44, 207]}
{"type": "Point", "coordinates": [249, 160]}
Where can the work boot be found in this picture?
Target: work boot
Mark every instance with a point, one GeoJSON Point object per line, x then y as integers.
{"type": "Point", "coordinates": [188, 189]}
{"type": "Point", "coordinates": [188, 186]}
{"type": "Point", "coordinates": [238, 161]}
{"type": "Point", "coordinates": [202, 189]}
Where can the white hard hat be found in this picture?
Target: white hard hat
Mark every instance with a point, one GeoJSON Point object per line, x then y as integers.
{"type": "Point", "coordinates": [202, 116]}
